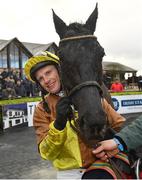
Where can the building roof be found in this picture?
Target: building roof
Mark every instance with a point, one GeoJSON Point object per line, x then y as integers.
{"type": "Point", "coordinates": [114, 66]}
{"type": "Point", "coordinates": [32, 48]}
{"type": "Point", "coordinates": [35, 48]}
{"type": "Point", "coordinates": [4, 43]}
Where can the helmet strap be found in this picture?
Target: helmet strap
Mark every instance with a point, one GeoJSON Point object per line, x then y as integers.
{"type": "Point", "coordinates": [45, 104]}
{"type": "Point", "coordinates": [43, 93]}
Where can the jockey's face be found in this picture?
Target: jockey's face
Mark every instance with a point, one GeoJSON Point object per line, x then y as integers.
{"type": "Point", "coordinates": [49, 79]}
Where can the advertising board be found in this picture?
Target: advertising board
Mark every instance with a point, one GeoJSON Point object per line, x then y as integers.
{"type": "Point", "coordinates": [128, 103]}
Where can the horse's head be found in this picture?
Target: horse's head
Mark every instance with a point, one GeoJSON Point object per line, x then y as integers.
{"type": "Point", "coordinates": [81, 69]}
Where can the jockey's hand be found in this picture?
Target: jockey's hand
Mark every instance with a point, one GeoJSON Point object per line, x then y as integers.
{"type": "Point", "coordinates": [63, 112]}
{"type": "Point", "coordinates": [106, 149]}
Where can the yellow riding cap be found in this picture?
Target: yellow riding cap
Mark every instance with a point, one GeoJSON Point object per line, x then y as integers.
{"type": "Point", "coordinates": [36, 62]}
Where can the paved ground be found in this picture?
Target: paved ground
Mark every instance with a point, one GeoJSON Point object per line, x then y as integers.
{"type": "Point", "coordinates": [19, 158]}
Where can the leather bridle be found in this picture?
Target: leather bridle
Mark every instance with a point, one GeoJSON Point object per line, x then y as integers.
{"type": "Point", "coordinates": [83, 85]}
{"type": "Point", "coordinates": [75, 89]}
{"type": "Point", "coordinates": [77, 38]}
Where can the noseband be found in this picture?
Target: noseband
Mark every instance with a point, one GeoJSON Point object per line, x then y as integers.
{"type": "Point", "coordinates": [86, 83]}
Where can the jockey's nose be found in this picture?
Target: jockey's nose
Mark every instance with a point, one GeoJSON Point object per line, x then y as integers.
{"type": "Point", "coordinates": [46, 79]}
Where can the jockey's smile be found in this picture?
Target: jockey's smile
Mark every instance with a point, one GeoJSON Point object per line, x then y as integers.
{"type": "Point", "coordinates": [48, 78]}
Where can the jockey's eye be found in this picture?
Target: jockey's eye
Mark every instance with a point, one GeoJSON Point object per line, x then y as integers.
{"type": "Point", "coordinates": [47, 73]}
{"type": "Point", "coordinates": [39, 79]}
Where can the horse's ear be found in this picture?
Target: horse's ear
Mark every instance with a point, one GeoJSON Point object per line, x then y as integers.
{"type": "Point", "coordinates": [91, 21]}
{"type": "Point", "coordinates": [60, 26]}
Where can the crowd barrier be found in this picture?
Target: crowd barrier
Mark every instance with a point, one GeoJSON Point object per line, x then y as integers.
{"type": "Point", "coordinates": [15, 114]}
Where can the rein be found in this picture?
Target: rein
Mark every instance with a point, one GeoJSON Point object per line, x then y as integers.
{"type": "Point", "coordinates": [74, 90]}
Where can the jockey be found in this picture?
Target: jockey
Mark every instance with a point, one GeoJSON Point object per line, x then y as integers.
{"type": "Point", "coordinates": [56, 139]}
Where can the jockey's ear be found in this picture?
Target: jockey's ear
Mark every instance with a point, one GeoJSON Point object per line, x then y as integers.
{"type": "Point", "coordinates": [91, 21]}
{"type": "Point", "coordinates": [60, 26]}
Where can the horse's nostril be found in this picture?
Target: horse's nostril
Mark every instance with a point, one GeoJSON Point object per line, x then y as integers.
{"type": "Point", "coordinates": [92, 126]}
{"type": "Point", "coordinates": [93, 133]}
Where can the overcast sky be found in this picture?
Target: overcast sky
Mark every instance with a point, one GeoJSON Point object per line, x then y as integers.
{"type": "Point", "coordinates": [119, 25]}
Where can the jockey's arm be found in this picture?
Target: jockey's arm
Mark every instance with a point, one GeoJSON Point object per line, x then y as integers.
{"type": "Point", "coordinates": [115, 120]}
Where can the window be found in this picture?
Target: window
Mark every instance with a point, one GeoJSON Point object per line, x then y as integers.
{"type": "Point", "coordinates": [14, 56]}
{"type": "Point", "coordinates": [3, 58]}
{"type": "Point", "coordinates": [24, 59]}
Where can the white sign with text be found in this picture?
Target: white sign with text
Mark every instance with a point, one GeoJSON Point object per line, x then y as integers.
{"type": "Point", "coordinates": [127, 104]}
{"type": "Point", "coordinates": [30, 108]}
{"type": "Point", "coordinates": [123, 105]}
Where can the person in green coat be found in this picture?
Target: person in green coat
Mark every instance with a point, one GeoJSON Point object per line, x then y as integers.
{"type": "Point", "coordinates": [129, 138]}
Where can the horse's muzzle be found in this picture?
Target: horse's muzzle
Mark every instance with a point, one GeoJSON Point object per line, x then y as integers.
{"type": "Point", "coordinates": [93, 133]}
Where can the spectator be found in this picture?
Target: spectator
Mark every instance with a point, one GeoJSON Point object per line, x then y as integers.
{"type": "Point", "coordinates": [140, 83]}
{"type": "Point", "coordinates": [8, 93]}
{"type": "Point", "coordinates": [4, 81]}
{"type": "Point", "coordinates": [10, 72]}
{"type": "Point", "coordinates": [11, 79]}
{"type": "Point", "coordinates": [14, 75]}
{"type": "Point", "coordinates": [9, 82]}
{"type": "Point", "coordinates": [28, 87]}
{"type": "Point", "coordinates": [4, 73]}
{"type": "Point", "coordinates": [117, 86]}
{"type": "Point", "coordinates": [1, 71]}
{"type": "Point", "coordinates": [20, 89]}
{"type": "Point", "coordinates": [36, 89]}
{"type": "Point", "coordinates": [0, 87]}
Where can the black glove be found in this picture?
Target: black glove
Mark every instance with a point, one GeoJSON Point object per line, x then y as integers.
{"type": "Point", "coordinates": [63, 112]}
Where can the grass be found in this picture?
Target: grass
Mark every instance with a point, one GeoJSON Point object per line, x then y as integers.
{"type": "Point", "coordinates": [34, 99]}
{"type": "Point", "coordinates": [20, 100]}
{"type": "Point", "coordinates": [126, 93]}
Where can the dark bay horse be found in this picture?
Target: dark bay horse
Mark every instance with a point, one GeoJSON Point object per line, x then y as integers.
{"type": "Point", "coordinates": [81, 70]}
